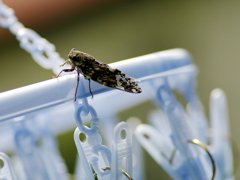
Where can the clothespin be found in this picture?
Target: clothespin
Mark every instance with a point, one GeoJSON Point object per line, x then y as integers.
{"type": "Point", "coordinates": [6, 171]}
{"type": "Point", "coordinates": [120, 163]}
{"type": "Point", "coordinates": [96, 159]}
{"type": "Point", "coordinates": [182, 160]}
{"type": "Point", "coordinates": [89, 151]}
{"type": "Point", "coordinates": [138, 163]}
{"type": "Point", "coordinates": [26, 146]}
{"type": "Point", "coordinates": [37, 149]}
{"type": "Point", "coordinates": [121, 152]}
{"type": "Point", "coordinates": [53, 161]}
{"type": "Point", "coordinates": [219, 136]}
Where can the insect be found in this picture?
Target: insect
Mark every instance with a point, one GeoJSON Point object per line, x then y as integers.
{"type": "Point", "coordinates": [100, 72]}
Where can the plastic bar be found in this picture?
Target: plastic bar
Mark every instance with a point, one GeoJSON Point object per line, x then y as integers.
{"type": "Point", "coordinates": [51, 92]}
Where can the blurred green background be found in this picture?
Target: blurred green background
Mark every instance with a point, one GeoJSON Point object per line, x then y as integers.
{"type": "Point", "coordinates": [117, 30]}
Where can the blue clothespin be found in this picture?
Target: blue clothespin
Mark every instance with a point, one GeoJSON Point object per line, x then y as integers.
{"type": "Point", "coordinates": [121, 163]}
{"type": "Point", "coordinates": [91, 151]}
{"type": "Point", "coordinates": [53, 161]}
{"type": "Point", "coordinates": [95, 156]}
{"type": "Point", "coordinates": [6, 171]}
{"type": "Point", "coordinates": [39, 160]}
{"type": "Point", "coordinates": [220, 141]}
{"type": "Point", "coordinates": [188, 162]}
{"type": "Point", "coordinates": [174, 129]}
{"type": "Point", "coordinates": [26, 146]}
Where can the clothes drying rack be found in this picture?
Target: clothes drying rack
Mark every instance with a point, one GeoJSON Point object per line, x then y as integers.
{"type": "Point", "coordinates": [176, 138]}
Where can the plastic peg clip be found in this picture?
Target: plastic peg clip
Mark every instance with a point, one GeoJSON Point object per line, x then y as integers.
{"type": "Point", "coordinates": [92, 153]}
{"type": "Point", "coordinates": [164, 94]}
{"type": "Point", "coordinates": [121, 152]}
{"type": "Point", "coordinates": [90, 156]}
{"type": "Point", "coordinates": [6, 171]}
{"type": "Point", "coordinates": [182, 131]}
{"type": "Point", "coordinates": [220, 135]}
{"type": "Point", "coordinates": [83, 158]}
{"type": "Point", "coordinates": [158, 146]}
{"type": "Point", "coordinates": [30, 154]}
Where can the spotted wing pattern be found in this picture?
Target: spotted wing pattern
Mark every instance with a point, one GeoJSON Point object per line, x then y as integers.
{"type": "Point", "coordinates": [107, 76]}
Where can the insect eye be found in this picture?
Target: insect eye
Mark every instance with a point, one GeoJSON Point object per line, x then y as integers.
{"type": "Point", "coordinates": [74, 58]}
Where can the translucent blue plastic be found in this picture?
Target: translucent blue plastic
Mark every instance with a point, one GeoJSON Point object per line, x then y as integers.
{"type": "Point", "coordinates": [51, 92]}
{"type": "Point", "coordinates": [159, 73]}
{"type": "Point", "coordinates": [179, 158]}
{"type": "Point", "coordinates": [6, 172]}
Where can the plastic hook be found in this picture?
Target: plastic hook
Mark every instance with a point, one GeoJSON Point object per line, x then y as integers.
{"type": "Point", "coordinates": [94, 119]}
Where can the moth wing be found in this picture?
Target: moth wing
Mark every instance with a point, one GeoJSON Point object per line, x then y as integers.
{"type": "Point", "coordinates": [114, 78]}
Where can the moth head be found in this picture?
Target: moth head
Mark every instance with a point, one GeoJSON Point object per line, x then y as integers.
{"type": "Point", "coordinates": [78, 57]}
{"type": "Point", "coordinates": [73, 54]}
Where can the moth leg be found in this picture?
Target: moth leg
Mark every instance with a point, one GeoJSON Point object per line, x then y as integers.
{"type": "Point", "coordinates": [78, 78]}
{"type": "Point", "coordinates": [90, 88]}
{"type": "Point", "coordinates": [65, 70]}
{"type": "Point", "coordinates": [67, 61]}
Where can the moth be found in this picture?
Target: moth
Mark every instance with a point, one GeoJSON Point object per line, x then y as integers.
{"type": "Point", "coordinates": [100, 72]}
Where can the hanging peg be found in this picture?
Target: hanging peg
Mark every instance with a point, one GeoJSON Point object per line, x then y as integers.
{"type": "Point", "coordinates": [158, 146]}
{"type": "Point", "coordinates": [89, 160]}
{"type": "Point", "coordinates": [93, 155]}
{"type": "Point", "coordinates": [220, 138]}
{"type": "Point", "coordinates": [121, 152]}
{"type": "Point", "coordinates": [26, 145]}
{"type": "Point", "coordinates": [6, 171]}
